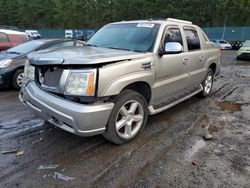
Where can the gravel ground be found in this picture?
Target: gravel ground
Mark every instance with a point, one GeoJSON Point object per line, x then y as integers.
{"type": "Point", "coordinates": [160, 157]}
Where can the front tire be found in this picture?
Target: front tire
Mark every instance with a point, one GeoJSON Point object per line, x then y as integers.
{"type": "Point", "coordinates": [18, 79]}
{"type": "Point", "coordinates": [128, 117]}
{"type": "Point", "coordinates": [207, 84]}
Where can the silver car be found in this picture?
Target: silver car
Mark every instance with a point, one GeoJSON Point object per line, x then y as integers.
{"type": "Point", "coordinates": [127, 71]}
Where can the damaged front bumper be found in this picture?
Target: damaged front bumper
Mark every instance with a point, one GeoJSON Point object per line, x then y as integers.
{"type": "Point", "coordinates": [79, 119]}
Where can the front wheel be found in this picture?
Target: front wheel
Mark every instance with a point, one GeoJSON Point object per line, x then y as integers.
{"type": "Point", "coordinates": [127, 118]}
{"type": "Point", "coordinates": [207, 84]}
{"type": "Point", "coordinates": [18, 79]}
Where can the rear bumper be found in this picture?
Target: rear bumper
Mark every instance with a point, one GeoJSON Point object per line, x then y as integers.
{"type": "Point", "coordinates": [79, 119]}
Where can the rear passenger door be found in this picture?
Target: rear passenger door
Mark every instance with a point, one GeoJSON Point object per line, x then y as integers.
{"type": "Point", "coordinates": [194, 62]}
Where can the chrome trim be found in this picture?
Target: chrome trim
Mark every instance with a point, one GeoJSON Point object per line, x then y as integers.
{"type": "Point", "coordinates": [152, 111]}
{"type": "Point", "coordinates": [79, 119]}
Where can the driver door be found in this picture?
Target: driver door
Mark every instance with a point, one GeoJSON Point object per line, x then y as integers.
{"type": "Point", "coordinates": [171, 78]}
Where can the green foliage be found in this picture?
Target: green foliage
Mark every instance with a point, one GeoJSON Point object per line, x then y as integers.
{"type": "Point", "coordinates": [95, 13]}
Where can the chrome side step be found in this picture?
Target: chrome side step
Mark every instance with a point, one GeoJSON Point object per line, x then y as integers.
{"type": "Point", "coordinates": [152, 111]}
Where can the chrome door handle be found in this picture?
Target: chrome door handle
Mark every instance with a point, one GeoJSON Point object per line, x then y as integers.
{"type": "Point", "coordinates": [185, 61]}
{"type": "Point", "coordinates": [147, 65]}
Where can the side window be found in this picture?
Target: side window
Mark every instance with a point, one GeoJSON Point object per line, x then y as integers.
{"type": "Point", "coordinates": [4, 37]}
{"type": "Point", "coordinates": [173, 35]}
{"type": "Point", "coordinates": [193, 40]}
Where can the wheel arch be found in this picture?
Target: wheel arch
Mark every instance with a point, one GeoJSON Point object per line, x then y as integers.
{"type": "Point", "coordinates": [141, 87]}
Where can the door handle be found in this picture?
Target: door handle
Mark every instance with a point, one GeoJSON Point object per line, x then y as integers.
{"type": "Point", "coordinates": [147, 65]}
{"type": "Point", "coordinates": [185, 61]}
{"type": "Point", "coordinates": [201, 58]}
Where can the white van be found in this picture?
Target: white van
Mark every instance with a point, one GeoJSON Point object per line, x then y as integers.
{"type": "Point", "coordinates": [33, 34]}
{"type": "Point", "coordinates": [68, 34]}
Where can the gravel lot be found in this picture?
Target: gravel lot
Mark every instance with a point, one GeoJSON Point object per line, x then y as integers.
{"type": "Point", "coordinates": [160, 157]}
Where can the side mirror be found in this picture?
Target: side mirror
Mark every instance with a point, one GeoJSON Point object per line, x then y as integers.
{"type": "Point", "coordinates": [173, 48]}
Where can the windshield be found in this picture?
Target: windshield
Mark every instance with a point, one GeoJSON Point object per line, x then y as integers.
{"type": "Point", "coordinates": [128, 36]}
{"type": "Point", "coordinates": [25, 47]}
{"type": "Point", "coordinates": [246, 44]}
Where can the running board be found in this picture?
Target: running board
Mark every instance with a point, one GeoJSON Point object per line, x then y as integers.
{"type": "Point", "coordinates": [152, 111]}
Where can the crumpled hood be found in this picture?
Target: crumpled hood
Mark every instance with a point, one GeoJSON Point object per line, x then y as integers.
{"type": "Point", "coordinates": [81, 56]}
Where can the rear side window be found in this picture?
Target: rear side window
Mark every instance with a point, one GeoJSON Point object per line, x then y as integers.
{"type": "Point", "coordinates": [24, 38]}
{"type": "Point", "coordinates": [173, 35]}
{"type": "Point", "coordinates": [4, 37]}
{"type": "Point", "coordinates": [193, 40]}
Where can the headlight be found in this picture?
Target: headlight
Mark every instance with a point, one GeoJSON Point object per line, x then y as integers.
{"type": "Point", "coordinates": [81, 83]}
{"type": "Point", "coordinates": [29, 71]}
{"type": "Point", "coordinates": [5, 63]}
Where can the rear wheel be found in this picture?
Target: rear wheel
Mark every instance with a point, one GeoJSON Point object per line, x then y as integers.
{"type": "Point", "coordinates": [207, 84]}
{"type": "Point", "coordinates": [18, 79]}
{"type": "Point", "coordinates": [127, 118]}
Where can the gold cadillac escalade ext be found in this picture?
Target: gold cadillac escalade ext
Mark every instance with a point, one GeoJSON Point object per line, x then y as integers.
{"type": "Point", "coordinates": [127, 71]}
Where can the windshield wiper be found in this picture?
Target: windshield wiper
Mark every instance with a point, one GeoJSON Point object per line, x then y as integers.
{"type": "Point", "coordinates": [126, 49]}
{"type": "Point", "coordinates": [12, 52]}
{"type": "Point", "coordinates": [118, 48]}
{"type": "Point", "coordinates": [91, 45]}
{"type": "Point", "coordinates": [140, 51]}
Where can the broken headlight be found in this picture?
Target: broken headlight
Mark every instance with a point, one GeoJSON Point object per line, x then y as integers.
{"type": "Point", "coordinates": [29, 71]}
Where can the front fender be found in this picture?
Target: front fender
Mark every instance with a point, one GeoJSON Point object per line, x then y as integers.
{"type": "Point", "coordinates": [117, 85]}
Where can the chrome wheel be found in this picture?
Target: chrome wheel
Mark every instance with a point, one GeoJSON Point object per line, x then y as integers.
{"type": "Point", "coordinates": [19, 80]}
{"type": "Point", "coordinates": [208, 83]}
{"type": "Point", "coordinates": [129, 119]}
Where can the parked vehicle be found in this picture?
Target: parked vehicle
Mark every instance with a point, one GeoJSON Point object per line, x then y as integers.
{"type": "Point", "coordinates": [236, 45]}
{"type": "Point", "coordinates": [33, 34]}
{"type": "Point", "coordinates": [13, 60]}
{"type": "Point", "coordinates": [126, 71]}
{"type": "Point", "coordinates": [69, 34]}
{"type": "Point", "coordinates": [224, 45]}
{"type": "Point", "coordinates": [79, 35]}
{"type": "Point", "coordinates": [244, 52]}
{"type": "Point", "coordinates": [10, 38]}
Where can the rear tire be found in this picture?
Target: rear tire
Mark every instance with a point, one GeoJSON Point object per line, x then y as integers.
{"type": "Point", "coordinates": [207, 84]}
{"type": "Point", "coordinates": [128, 117]}
{"type": "Point", "coordinates": [18, 79]}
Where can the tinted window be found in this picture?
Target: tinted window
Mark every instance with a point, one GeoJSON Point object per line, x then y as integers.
{"type": "Point", "coordinates": [193, 40]}
{"type": "Point", "coordinates": [247, 44]}
{"type": "Point", "coordinates": [173, 35]}
{"type": "Point", "coordinates": [4, 37]}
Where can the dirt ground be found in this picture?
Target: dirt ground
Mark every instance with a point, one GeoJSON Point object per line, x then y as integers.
{"type": "Point", "coordinates": [160, 157]}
